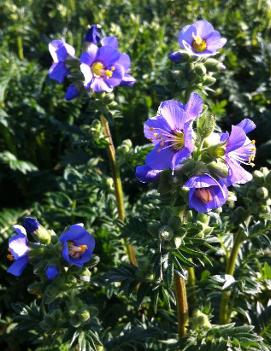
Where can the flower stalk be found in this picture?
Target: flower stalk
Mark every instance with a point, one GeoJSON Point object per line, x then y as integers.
{"type": "Point", "coordinates": [224, 312]}
{"type": "Point", "coordinates": [182, 305]}
{"type": "Point", "coordinates": [117, 185]}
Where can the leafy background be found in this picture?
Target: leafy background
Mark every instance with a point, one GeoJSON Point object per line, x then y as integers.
{"type": "Point", "coordinates": [53, 169]}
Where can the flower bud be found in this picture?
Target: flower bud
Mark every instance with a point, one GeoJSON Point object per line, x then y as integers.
{"type": "Point", "coordinates": [93, 35]}
{"type": "Point", "coordinates": [51, 272]}
{"type": "Point", "coordinates": [218, 168]}
{"type": "Point", "coordinates": [262, 193]}
{"type": "Point", "coordinates": [200, 69]}
{"type": "Point", "coordinates": [165, 233]}
{"type": "Point", "coordinates": [213, 64]}
{"type": "Point", "coordinates": [32, 226]}
{"type": "Point", "coordinates": [206, 125]}
{"type": "Point", "coordinates": [200, 321]}
{"type": "Point", "coordinates": [209, 80]}
{"type": "Point", "coordinates": [84, 315]}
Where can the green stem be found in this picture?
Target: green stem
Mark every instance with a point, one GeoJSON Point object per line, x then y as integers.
{"type": "Point", "coordinates": [182, 305]}
{"type": "Point", "coordinates": [20, 47]}
{"type": "Point", "coordinates": [117, 185]}
{"type": "Point", "coordinates": [224, 312]}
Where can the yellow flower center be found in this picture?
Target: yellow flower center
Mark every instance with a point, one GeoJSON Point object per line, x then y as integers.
{"type": "Point", "coordinates": [178, 141]}
{"type": "Point", "coordinates": [253, 150]}
{"type": "Point", "coordinates": [199, 44]}
{"type": "Point", "coordinates": [204, 195]}
{"type": "Point", "coordinates": [99, 70]}
{"type": "Point", "coordinates": [76, 251]}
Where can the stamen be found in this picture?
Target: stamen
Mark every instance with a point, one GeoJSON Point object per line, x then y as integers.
{"type": "Point", "coordinates": [199, 44]}
{"type": "Point", "coordinates": [10, 257]}
{"type": "Point", "coordinates": [204, 195]}
{"type": "Point", "coordinates": [76, 251]}
{"type": "Point", "coordinates": [97, 69]}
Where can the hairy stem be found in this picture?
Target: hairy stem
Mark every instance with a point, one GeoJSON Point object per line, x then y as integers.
{"type": "Point", "coordinates": [224, 312]}
{"type": "Point", "coordinates": [182, 305]}
{"type": "Point", "coordinates": [117, 185]}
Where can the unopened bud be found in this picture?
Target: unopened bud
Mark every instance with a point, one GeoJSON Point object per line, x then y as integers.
{"type": "Point", "coordinates": [209, 80]}
{"type": "Point", "coordinates": [206, 125]}
{"type": "Point", "coordinates": [84, 315]}
{"type": "Point", "coordinates": [200, 69]}
{"type": "Point", "coordinates": [262, 193]}
{"type": "Point", "coordinates": [165, 233]}
{"type": "Point", "coordinates": [33, 226]}
{"type": "Point", "coordinates": [213, 64]}
{"type": "Point", "coordinates": [200, 320]}
{"type": "Point", "coordinates": [218, 168]}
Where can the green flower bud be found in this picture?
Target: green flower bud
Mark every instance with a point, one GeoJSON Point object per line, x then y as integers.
{"type": "Point", "coordinates": [200, 321]}
{"type": "Point", "coordinates": [110, 183]}
{"type": "Point", "coordinates": [213, 64]}
{"type": "Point", "coordinates": [200, 69]}
{"type": "Point", "coordinates": [258, 177]}
{"type": "Point", "coordinates": [203, 218]}
{"type": "Point", "coordinates": [209, 80]}
{"type": "Point", "coordinates": [165, 233]}
{"type": "Point", "coordinates": [218, 168]}
{"type": "Point", "coordinates": [43, 235]}
{"type": "Point", "coordinates": [262, 193]}
{"type": "Point", "coordinates": [84, 315]}
{"type": "Point", "coordinates": [205, 125]}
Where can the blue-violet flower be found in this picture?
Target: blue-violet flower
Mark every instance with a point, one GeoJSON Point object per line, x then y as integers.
{"type": "Point", "coordinates": [206, 193]}
{"type": "Point", "coordinates": [78, 245]}
{"type": "Point", "coordinates": [18, 251]}
{"type": "Point", "coordinates": [171, 134]}
{"type": "Point", "coordinates": [105, 67]}
{"type": "Point", "coordinates": [201, 39]}
{"type": "Point", "coordinates": [59, 51]}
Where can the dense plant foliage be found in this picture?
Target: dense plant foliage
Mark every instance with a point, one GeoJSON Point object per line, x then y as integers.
{"type": "Point", "coordinates": [55, 167]}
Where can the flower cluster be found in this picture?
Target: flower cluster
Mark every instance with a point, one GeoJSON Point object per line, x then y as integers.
{"type": "Point", "coordinates": [75, 247]}
{"type": "Point", "coordinates": [174, 139]}
{"type": "Point", "coordinates": [102, 65]}
{"type": "Point", "coordinates": [217, 157]}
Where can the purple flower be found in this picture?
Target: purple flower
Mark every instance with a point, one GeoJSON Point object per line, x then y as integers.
{"type": "Point", "coordinates": [206, 193]}
{"type": "Point", "coordinates": [51, 272]}
{"type": "Point", "coordinates": [93, 35]}
{"type": "Point", "coordinates": [171, 133]}
{"type": "Point", "coordinates": [78, 245]}
{"type": "Point", "coordinates": [72, 92]}
{"type": "Point", "coordinates": [175, 56]}
{"type": "Point", "coordinates": [105, 67]}
{"type": "Point", "coordinates": [201, 39]}
{"type": "Point", "coordinates": [18, 251]}
{"type": "Point", "coordinates": [31, 224]}
{"type": "Point", "coordinates": [59, 51]}
{"type": "Point", "coordinates": [239, 149]}
{"type": "Point", "coordinates": [145, 174]}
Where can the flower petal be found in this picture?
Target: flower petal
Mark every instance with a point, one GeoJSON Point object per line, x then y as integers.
{"type": "Point", "coordinates": [160, 159]}
{"type": "Point", "coordinates": [58, 72]}
{"type": "Point", "coordinates": [89, 56]}
{"type": "Point", "coordinates": [179, 157]}
{"type": "Point", "coordinates": [215, 41]}
{"type": "Point", "coordinates": [236, 139]}
{"type": "Point", "coordinates": [174, 113]}
{"type": "Point", "coordinates": [155, 128]}
{"type": "Point", "coordinates": [124, 61]}
{"type": "Point", "coordinates": [18, 245]}
{"type": "Point", "coordinates": [98, 85]}
{"type": "Point", "coordinates": [247, 125]}
{"type": "Point", "coordinates": [194, 106]}
{"type": "Point", "coordinates": [237, 174]}
{"type": "Point", "coordinates": [186, 35]}
{"type": "Point", "coordinates": [146, 174]}
{"type": "Point", "coordinates": [204, 28]}
{"type": "Point", "coordinates": [117, 76]}
{"type": "Point", "coordinates": [71, 93]}
{"type": "Point", "coordinates": [87, 73]}
{"type": "Point", "coordinates": [18, 266]}
{"type": "Point", "coordinates": [108, 56]}
{"type": "Point", "coordinates": [110, 41]}
{"type": "Point", "coordinates": [128, 81]}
